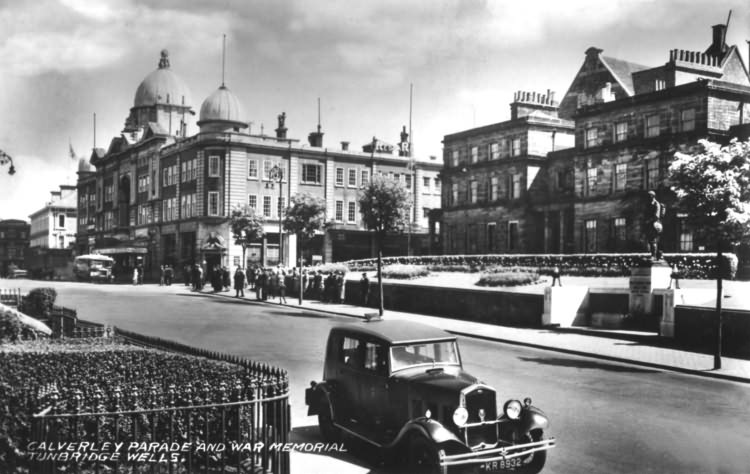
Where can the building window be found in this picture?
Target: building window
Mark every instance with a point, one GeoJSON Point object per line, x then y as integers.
{"type": "Point", "coordinates": [515, 149]}
{"type": "Point", "coordinates": [591, 176]}
{"type": "Point", "coordinates": [267, 206]}
{"type": "Point", "coordinates": [590, 236]}
{"type": "Point", "coordinates": [252, 201]}
{"type": "Point", "coordinates": [407, 179]}
{"type": "Point", "coordinates": [61, 221]}
{"type": "Point", "coordinates": [473, 187]}
{"type": "Point", "coordinates": [165, 176]}
{"type": "Point", "coordinates": [213, 203]}
{"type": "Point", "coordinates": [339, 177]}
{"type": "Point", "coordinates": [426, 184]}
{"type": "Point", "coordinates": [280, 206]}
{"type": "Point", "coordinates": [425, 212]}
{"type": "Point", "coordinates": [364, 177]}
{"type": "Point", "coordinates": [252, 169]}
{"type": "Point", "coordinates": [491, 237]}
{"type": "Point", "coordinates": [193, 169]}
{"type": "Point", "coordinates": [339, 211]}
{"type": "Point", "coordinates": [267, 165]}
{"type": "Point", "coordinates": [474, 154]}
{"type": "Point", "coordinates": [352, 178]}
{"type": "Point", "coordinates": [687, 120]}
{"type": "Point", "coordinates": [311, 173]}
{"type": "Point", "coordinates": [437, 185]}
{"type": "Point", "coordinates": [652, 173]}
{"type": "Point", "coordinates": [659, 84]}
{"type": "Point", "coordinates": [454, 194]}
{"type": "Point", "coordinates": [514, 186]}
{"type": "Point", "coordinates": [684, 233]}
{"type": "Point", "coordinates": [621, 131]}
{"type": "Point", "coordinates": [454, 157]}
{"type": "Point", "coordinates": [494, 151]}
{"type": "Point", "coordinates": [494, 188]}
{"type": "Point", "coordinates": [621, 176]}
{"type": "Point", "coordinates": [618, 233]}
{"type": "Point", "coordinates": [512, 235]}
{"type": "Point", "coordinates": [351, 214]}
{"type": "Point", "coordinates": [213, 166]}
{"type": "Point", "coordinates": [592, 137]}
{"type": "Point", "coordinates": [652, 126]}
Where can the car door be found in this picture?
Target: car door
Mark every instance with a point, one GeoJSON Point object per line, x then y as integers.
{"type": "Point", "coordinates": [348, 375]}
{"type": "Point", "coordinates": [373, 389]}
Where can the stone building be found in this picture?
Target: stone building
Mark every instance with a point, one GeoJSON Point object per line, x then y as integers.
{"type": "Point", "coordinates": [54, 225]}
{"type": "Point", "coordinates": [160, 196]}
{"type": "Point", "coordinates": [623, 122]}
{"type": "Point", "coordinates": [14, 239]}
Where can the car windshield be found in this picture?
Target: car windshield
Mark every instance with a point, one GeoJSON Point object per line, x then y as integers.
{"type": "Point", "coordinates": [424, 353]}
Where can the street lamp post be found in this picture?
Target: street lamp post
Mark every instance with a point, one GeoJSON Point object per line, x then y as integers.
{"type": "Point", "coordinates": [6, 159]}
{"type": "Point", "coordinates": [277, 174]}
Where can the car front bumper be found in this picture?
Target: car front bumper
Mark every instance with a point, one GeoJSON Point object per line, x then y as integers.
{"type": "Point", "coordinates": [501, 453]}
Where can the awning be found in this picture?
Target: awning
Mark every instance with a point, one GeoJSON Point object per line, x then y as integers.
{"type": "Point", "coordinates": [121, 250]}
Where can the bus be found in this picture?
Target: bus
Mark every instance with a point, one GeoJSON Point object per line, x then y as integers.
{"type": "Point", "coordinates": [93, 268]}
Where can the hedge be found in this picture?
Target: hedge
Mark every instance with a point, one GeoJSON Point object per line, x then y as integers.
{"type": "Point", "coordinates": [513, 278]}
{"type": "Point", "coordinates": [405, 272]}
{"type": "Point", "coordinates": [700, 266]}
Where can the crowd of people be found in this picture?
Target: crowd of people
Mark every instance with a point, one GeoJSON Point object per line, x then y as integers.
{"type": "Point", "coordinates": [268, 283]}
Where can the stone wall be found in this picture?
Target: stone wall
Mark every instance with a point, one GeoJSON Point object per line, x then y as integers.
{"type": "Point", "coordinates": [491, 307]}
{"type": "Point", "coordinates": [695, 328]}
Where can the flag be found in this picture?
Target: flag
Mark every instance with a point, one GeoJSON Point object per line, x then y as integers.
{"type": "Point", "coordinates": [72, 151]}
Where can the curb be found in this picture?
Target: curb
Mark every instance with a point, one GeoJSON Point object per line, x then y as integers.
{"type": "Point", "coordinates": [653, 365]}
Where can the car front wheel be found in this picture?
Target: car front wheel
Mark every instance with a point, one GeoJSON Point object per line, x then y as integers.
{"type": "Point", "coordinates": [534, 462]}
{"type": "Point", "coordinates": [424, 456]}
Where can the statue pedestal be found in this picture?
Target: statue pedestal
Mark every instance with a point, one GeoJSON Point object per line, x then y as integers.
{"type": "Point", "coordinates": [643, 281]}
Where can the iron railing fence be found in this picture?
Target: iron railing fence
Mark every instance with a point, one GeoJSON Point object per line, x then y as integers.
{"type": "Point", "coordinates": [197, 427]}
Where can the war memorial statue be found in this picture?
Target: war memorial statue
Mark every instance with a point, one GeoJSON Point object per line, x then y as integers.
{"type": "Point", "coordinates": [654, 213]}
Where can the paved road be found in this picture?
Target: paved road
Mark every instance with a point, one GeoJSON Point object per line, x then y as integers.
{"type": "Point", "coordinates": [607, 417]}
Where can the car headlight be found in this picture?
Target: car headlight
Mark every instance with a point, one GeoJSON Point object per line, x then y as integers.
{"type": "Point", "coordinates": [460, 416]}
{"type": "Point", "coordinates": [512, 409]}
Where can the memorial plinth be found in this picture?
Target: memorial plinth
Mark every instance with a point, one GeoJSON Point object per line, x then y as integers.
{"type": "Point", "coordinates": [643, 281]}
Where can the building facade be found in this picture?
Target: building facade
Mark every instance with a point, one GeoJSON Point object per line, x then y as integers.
{"type": "Point", "coordinates": [157, 196]}
{"type": "Point", "coordinates": [625, 123]}
{"type": "Point", "coordinates": [14, 239]}
{"type": "Point", "coordinates": [54, 226]}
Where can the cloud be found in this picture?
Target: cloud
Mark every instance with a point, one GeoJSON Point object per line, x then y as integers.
{"type": "Point", "coordinates": [98, 10]}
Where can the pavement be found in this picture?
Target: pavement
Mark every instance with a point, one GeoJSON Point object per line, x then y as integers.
{"type": "Point", "coordinates": [645, 349]}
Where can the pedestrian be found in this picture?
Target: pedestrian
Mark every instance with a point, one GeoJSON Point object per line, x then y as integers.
{"type": "Point", "coordinates": [161, 275]}
{"type": "Point", "coordinates": [217, 280]}
{"type": "Point", "coordinates": [140, 274]}
{"type": "Point", "coordinates": [252, 275]}
{"type": "Point", "coordinates": [556, 276]}
{"type": "Point", "coordinates": [239, 283]}
{"type": "Point", "coordinates": [273, 283]}
{"type": "Point", "coordinates": [201, 278]}
{"type": "Point", "coordinates": [226, 278]}
{"type": "Point", "coordinates": [318, 286]}
{"type": "Point", "coordinates": [281, 285]}
{"type": "Point", "coordinates": [168, 275]}
{"type": "Point", "coordinates": [364, 289]}
{"type": "Point", "coordinates": [340, 287]}
{"type": "Point", "coordinates": [135, 275]}
{"type": "Point", "coordinates": [187, 271]}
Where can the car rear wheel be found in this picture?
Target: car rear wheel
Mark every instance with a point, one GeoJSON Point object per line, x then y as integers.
{"type": "Point", "coordinates": [534, 462]}
{"type": "Point", "coordinates": [329, 431]}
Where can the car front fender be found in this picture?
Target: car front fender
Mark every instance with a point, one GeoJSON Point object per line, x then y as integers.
{"type": "Point", "coordinates": [533, 418]}
{"type": "Point", "coordinates": [431, 429]}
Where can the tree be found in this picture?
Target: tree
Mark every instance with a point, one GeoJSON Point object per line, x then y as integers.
{"type": "Point", "coordinates": [247, 227]}
{"type": "Point", "coordinates": [712, 185]}
{"type": "Point", "coordinates": [304, 217]}
{"type": "Point", "coordinates": [384, 204]}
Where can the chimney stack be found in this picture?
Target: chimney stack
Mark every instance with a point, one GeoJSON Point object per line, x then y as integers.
{"type": "Point", "coordinates": [345, 146]}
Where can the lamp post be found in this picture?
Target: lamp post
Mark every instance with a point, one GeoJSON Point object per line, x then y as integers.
{"type": "Point", "coordinates": [5, 159]}
{"type": "Point", "coordinates": [277, 174]}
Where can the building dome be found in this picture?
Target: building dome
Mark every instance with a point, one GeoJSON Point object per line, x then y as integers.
{"type": "Point", "coordinates": [162, 86]}
{"type": "Point", "coordinates": [221, 106]}
{"type": "Point", "coordinates": [84, 165]}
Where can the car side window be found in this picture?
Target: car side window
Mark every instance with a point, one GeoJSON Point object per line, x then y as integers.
{"type": "Point", "coordinates": [375, 358]}
{"type": "Point", "coordinates": [351, 353]}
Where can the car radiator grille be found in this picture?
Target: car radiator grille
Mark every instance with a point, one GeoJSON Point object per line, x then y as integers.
{"type": "Point", "coordinates": [481, 398]}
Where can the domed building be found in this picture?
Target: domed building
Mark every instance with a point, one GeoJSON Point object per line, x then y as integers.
{"type": "Point", "coordinates": [221, 112]}
{"type": "Point", "coordinates": [162, 98]}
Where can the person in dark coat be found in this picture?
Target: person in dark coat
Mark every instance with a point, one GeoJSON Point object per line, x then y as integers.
{"type": "Point", "coordinates": [281, 285]}
{"type": "Point", "coordinates": [318, 286]}
{"type": "Point", "coordinates": [260, 286]}
{"type": "Point", "coordinates": [168, 275]}
{"type": "Point", "coordinates": [364, 289]}
{"type": "Point", "coordinates": [216, 279]}
{"type": "Point", "coordinates": [239, 283]}
{"type": "Point", "coordinates": [252, 275]}
{"type": "Point", "coordinates": [226, 278]}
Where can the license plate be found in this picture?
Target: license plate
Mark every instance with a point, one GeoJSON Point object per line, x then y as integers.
{"type": "Point", "coordinates": [502, 465]}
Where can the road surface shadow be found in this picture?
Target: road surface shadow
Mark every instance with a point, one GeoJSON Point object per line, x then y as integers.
{"type": "Point", "coordinates": [347, 451]}
{"type": "Point", "coordinates": [586, 364]}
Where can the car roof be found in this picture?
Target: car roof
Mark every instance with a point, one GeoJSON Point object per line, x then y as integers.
{"type": "Point", "coordinates": [396, 331]}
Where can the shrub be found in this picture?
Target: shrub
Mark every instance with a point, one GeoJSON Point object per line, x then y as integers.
{"type": "Point", "coordinates": [692, 265]}
{"type": "Point", "coordinates": [514, 278]}
{"type": "Point", "coordinates": [39, 302]}
{"type": "Point", "coordinates": [331, 267]}
{"type": "Point", "coordinates": [10, 326]}
{"type": "Point", "coordinates": [405, 272]}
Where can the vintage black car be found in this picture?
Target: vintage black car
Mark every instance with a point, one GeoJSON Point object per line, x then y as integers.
{"type": "Point", "coordinates": [400, 387]}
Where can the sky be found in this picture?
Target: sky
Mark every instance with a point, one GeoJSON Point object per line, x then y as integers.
{"type": "Point", "coordinates": [62, 61]}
